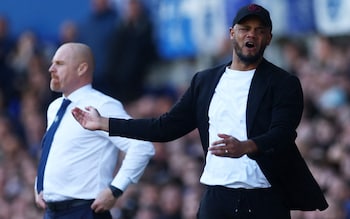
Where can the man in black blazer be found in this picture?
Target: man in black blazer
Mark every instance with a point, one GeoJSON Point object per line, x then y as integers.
{"type": "Point", "coordinates": [247, 112]}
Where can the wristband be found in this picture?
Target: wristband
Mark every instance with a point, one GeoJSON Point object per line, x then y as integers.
{"type": "Point", "coordinates": [115, 191]}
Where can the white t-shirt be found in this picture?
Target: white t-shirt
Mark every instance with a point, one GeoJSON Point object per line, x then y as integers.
{"type": "Point", "coordinates": [227, 115]}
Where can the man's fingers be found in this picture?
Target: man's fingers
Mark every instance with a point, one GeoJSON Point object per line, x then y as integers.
{"type": "Point", "coordinates": [224, 135]}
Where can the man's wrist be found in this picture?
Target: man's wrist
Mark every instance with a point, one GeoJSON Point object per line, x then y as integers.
{"type": "Point", "coordinates": [104, 123]}
{"type": "Point", "coordinates": [251, 147]}
{"type": "Point", "coordinates": [115, 191]}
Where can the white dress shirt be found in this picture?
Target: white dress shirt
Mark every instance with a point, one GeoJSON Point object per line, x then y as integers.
{"type": "Point", "coordinates": [81, 163]}
{"type": "Point", "coordinates": [227, 115]}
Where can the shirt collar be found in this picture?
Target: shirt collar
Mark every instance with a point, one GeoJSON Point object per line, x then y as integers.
{"type": "Point", "coordinates": [79, 93]}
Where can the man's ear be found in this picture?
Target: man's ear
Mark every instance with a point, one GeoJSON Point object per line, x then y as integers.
{"type": "Point", "coordinates": [232, 32]}
{"type": "Point", "coordinates": [82, 68]}
{"type": "Point", "coordinates": [269, 39]}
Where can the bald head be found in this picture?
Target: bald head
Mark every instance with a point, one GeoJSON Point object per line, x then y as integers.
{"type": "Point", "coordinates": [72, 67]}
{"type": "Point", "coordinates": [80, 53]}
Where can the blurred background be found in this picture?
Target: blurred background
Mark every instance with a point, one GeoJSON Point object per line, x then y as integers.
{"type": "Point", "coordinates": [146, 54]}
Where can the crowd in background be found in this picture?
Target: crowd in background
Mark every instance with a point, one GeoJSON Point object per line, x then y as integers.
{"type": "Point", "coordinates": [169, 188]}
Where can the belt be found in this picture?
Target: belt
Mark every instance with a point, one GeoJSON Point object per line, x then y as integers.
{"type": "Point", "coordinates": [65, 205]}
{"type": "Point", "coordinates": [233, 191]}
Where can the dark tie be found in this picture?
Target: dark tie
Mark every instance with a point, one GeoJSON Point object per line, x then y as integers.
{"type": "Point", "coordinates": [46, 143]}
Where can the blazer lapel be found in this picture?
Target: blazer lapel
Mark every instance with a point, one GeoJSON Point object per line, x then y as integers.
{"type": "Point", "coordinates": [211, 84]}
{"type": "Point", "coordinates": [260, 82]}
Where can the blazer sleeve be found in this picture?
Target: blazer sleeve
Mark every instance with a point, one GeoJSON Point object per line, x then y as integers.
{"type": "Point", "coordinates": [278, 117]}
{"type": "Point", "coordinates": [176, 123]}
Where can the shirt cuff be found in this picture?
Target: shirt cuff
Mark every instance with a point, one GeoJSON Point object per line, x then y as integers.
{"type": "Point", "coordinates": [121, 182]}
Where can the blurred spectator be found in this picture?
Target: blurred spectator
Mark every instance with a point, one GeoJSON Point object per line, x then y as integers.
{"type": "Point", "coordinates": [132, 52]}
{"type": "Point", "coordinates": [295, 54]}
{"type": "Point", "coordinates": [32, 98]}
{"type": "Point", "coordinates": [6, 74]}
{"type": "Point", "coordinates": [190, 204]}
{"type": "Point", "coordinates": [148, 207]}
{"type": "Point", "coordinates": [170, 200]}
{"type": "Point", "coordinates": [33, 122]}
{"type": "Point", "coordinates": [68, 32]}
{"type": "Point", "coordinates": [18, 171]}
{"type": "Point", "coordinates": [96, 31]}
{"type": "Point", "coordinates": [147, 213]}
{"type": "Point", "coordinates": [22, 59]}
{"type": "Point", "coordinates": [25, 48]}
{"type": "Point", "coordinates": [154, 102]}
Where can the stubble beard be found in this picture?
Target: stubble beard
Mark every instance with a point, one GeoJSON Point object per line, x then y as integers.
{"type": "Point", "coordinates": [54, 86]}
{"type": "Point", "coordinates": [248, 59]}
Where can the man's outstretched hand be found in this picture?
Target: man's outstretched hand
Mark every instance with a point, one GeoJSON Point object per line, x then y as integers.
{"type": "Point", "coordinates": [90, 119]}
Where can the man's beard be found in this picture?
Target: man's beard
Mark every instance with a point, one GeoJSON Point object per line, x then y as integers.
{"type": "Point", "coordinates": [249, 59]}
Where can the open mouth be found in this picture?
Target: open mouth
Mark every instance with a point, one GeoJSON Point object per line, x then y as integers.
{"type": "Point", "coordinates": [249, 44]}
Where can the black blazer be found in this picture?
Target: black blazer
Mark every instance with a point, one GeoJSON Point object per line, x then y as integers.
{"type": "Point", "coordinates": [274, 110]}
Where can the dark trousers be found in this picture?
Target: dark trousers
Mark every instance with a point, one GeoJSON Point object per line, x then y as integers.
{"type": "Point", "coordinates": [225, 203]}
{"type": "Point", "coordinates": [81, 211]}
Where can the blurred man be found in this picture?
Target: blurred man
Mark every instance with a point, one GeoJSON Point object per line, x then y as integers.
{"type": "Point", "coordinates": [76, 180]}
